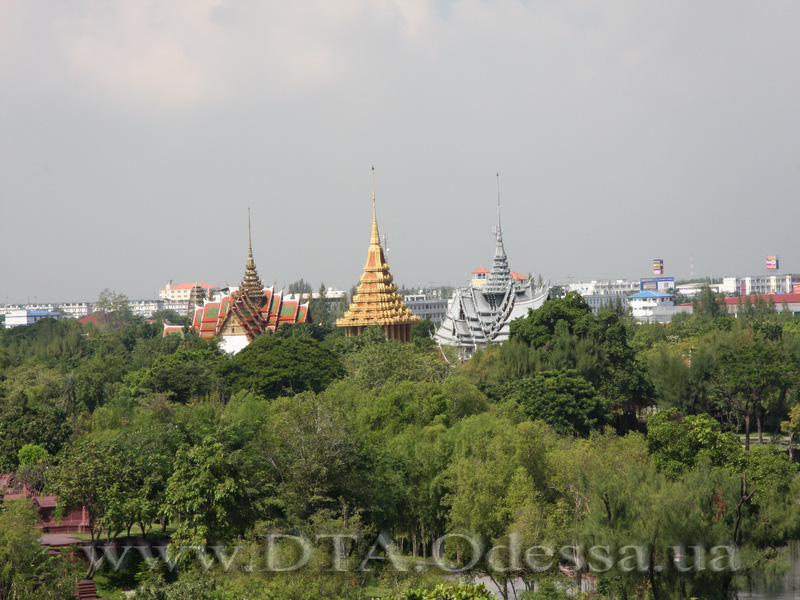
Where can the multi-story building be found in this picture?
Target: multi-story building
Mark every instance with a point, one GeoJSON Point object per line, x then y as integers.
{"type": "Point", "coordinates": [599, 302]}
{"type": "Point", "coordinates": [651, 306]}
{"type": "Point", "coordinates": [179, 306]}
{"type": "Point", "coordinates": [617, 287]}
{"type": "Point", "coordinates": [7, 308]}
{"type": "Point", "coordinates": [760, 284]}
{"type": "Point", "coordinates": [24, 316]}
{"type": "Point", "coordinates": [146, 308]}
{"type": "Point", "coordinates": [183, 291]}
{"type": "Point", "coordinates": [75, 310]}
{"type": "Point", "coordinates": [427, 306]}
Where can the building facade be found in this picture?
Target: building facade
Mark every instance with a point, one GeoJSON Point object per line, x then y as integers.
{"type": "Point", "coordinates": [15, 318]}
{"type": "Point", "coordinates": [651, 306]}
{"type": "Point", "coordinates": [427, 307]}
{"type": "Point", "coordinates": [617, 287]}
{"type": "Point", "coordinates": [182, 291]}
{"type": "Point", "coordinates": [760, 284]}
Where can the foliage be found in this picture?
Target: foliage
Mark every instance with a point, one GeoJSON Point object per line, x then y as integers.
{"type": "Point", "coordinates": [447, 592]}
{"type": "Point", "coordinates": [678, 442]}
{"type": "Point", "coordinates": [377, 364]}
{"type": "Point", "coordinates": [32, 454]}
{"type": "Point", "coordinates": [562, 399]}
{"type": "Point", "coordinates": [205, 494]}
{"type": "Point", "coordinates": [272, 366]}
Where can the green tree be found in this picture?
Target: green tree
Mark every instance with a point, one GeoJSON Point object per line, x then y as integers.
{"type": "Point", "coordinates": [376, 364]}
{"type": "Point", "coordinates": [115, 306]}
{"type": "Point", "coordinates": [677, 442]}
{"type": "Point", "coordinates": [747, 371]}
{"type": "Point", "coordinates": [562, 399]}
{"type": "Point", "coordinates": [186, 374]}
{"type": "Point", "coordinates": [272, 366]}
{"type": "Point", "coordinates": [466, 591]}
{"type": "Point", "coordinates": [27, 572]}
{"type": "Point", "coordinates": [320, 309]}
{"type": "Point", "coordinates": [32, 454]}
{"type": "Point", "coordinates": [205, 495]}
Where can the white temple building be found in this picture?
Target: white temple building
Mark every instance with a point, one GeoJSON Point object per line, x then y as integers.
{"type": "Point", "coordinates": [479, 314]}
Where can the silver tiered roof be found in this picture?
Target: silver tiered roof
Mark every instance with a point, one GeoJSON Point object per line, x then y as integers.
{"type": "Point", "coordinates": [478, 315]}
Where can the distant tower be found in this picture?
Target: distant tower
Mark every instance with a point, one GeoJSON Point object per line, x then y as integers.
{"type": "Point", "coordinates": [377, 301]}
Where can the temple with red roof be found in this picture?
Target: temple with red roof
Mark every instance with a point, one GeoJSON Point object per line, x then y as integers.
{"type": "Point", "coordinates": [240, 316]}
{"type": "Point", "coordinates": [76, 521]}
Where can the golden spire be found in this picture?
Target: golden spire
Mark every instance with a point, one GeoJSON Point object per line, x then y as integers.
{"type": "Point", "coordinates": [377, 301]}
{"type": "Point", "coordinates": [376, 238]}
{"type": "Point", "coordinates": [251, 283]}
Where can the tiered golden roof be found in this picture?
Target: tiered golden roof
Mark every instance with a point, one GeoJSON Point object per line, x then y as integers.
{"type": "Point", "coordinates": [377, 301]}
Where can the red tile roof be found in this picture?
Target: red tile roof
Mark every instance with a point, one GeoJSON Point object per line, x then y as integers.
{"type": "Point", "coordinates": [209, 318]}
{"type": "Point", "coordinates": [96, 318]}
{"type": "Point", "coordinates": [777, 298]}
{"type": "Point", "coordinates": [481, 270]}
{"type": "Point", "coordinates": [519, 276]}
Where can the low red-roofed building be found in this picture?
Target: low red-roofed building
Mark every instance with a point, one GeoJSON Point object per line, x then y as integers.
{"type": "Point", "coordinates": [734, 304]}
{"type": "Point", "coordinates": [76, 521]}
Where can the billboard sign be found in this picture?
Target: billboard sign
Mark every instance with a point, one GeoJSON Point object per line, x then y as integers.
{"type": "Point", "coordinates": [772, 262]}
{"type": "Point", "coordinates": [656, 284]}
{"type": "Point", "coordinates": [796, 288]}
{"type": "Point", "coordinates": [658, 266]}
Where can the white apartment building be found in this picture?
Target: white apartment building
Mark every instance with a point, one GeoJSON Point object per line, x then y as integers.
{"type": "Point", "coordinates": [649, 306]}
{"type": "Point", "coordinates": [760, 284]}
{"type": "Point", "coordinates": [179, 306]}
{"type": "Point", "coordinates": [618, 287]}
{"type": "Point", "coordinates": [75, 310]}
{"type": "Point", "coordinates": [24, 316]}
{"type": "Point", "coordinates": [145, 308]}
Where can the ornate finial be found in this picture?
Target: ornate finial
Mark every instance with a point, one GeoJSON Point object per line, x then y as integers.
{"type": "Point", "coordinates": [499, 231]}
{"type": "Point", "coordinates": [251, 283]}
{"type": "Point", "coordinates": [249, 232]}
{"type": "Point", "coordinates": [376, 238]}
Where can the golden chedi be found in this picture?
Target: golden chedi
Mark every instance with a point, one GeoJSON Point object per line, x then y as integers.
{"type": "Point", "coordinates": [377, 301]}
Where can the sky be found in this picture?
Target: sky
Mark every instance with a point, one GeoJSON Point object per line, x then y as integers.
{"type": "Point", "coordinates": [134, 135]}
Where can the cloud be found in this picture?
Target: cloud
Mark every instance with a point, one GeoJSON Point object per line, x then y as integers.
{"type": "Point", "coordinates": [183, 53]}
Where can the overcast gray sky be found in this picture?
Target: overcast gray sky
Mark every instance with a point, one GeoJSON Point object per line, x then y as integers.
{"type": "Point", "coordinates": [134, 134]}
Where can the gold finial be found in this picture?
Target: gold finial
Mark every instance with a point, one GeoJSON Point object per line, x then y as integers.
{"type": "Point", "coordinates": [249, 235]}
{"type": "Point", "coordinates": [376, 238]}
{"type": "Point", "coordinates": [251, 284]}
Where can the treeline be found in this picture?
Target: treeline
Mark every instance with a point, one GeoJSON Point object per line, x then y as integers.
{"type": "Point", "coordinates": [582, 431]}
